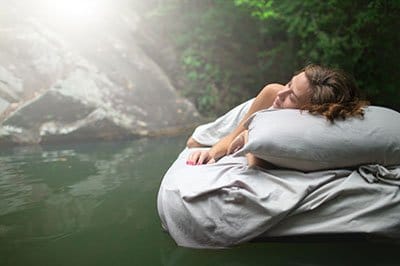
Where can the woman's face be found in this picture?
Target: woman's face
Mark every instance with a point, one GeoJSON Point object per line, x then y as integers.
{"type": "Point", "coordinates": [295, 94]}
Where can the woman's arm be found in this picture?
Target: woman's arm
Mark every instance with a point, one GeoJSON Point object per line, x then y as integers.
{"type": "Point", "coordinates": [192, 143]}
{"type": "Point", "coordinates": [263, 100]}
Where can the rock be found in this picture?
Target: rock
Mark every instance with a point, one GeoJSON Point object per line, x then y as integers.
{"type": "Point", "coordinates": [90, 82]}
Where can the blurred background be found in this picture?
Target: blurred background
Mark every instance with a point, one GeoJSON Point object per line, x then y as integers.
{"type": "Point", "coordinates": [140, 68]}
{"type": "Point", "coordinates": [229, 49]}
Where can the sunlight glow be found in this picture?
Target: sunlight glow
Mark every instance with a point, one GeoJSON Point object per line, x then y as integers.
{"type": "Point", "coordinates": [73, 13]}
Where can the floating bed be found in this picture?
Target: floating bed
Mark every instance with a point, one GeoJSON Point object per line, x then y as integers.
{"type": "Point", "coordinates": [228, 203]}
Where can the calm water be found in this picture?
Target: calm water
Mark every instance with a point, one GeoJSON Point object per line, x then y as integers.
{"type": "Point", "coordinates": [95, 204]}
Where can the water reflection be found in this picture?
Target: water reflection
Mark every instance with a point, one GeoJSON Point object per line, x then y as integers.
{"type": "Point", "coordinates": [48, 193]}
{"type": "Point", "coordinates": [95, 204]}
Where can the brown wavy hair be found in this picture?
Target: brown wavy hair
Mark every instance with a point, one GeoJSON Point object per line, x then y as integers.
{"type": "Point", "coordinates": [334, 94]}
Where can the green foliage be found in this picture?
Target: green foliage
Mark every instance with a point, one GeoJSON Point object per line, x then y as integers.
{"type": "Point", "coordinates": [229, 49]}
{"type": "Point", "coordinates": [358, 36]}
{"type": "Point", "coordinates": [198, 71]}
{"type": "Point", "coordinates": [218, 46]}
{"type": "Point", "coordinates": [261, 9]}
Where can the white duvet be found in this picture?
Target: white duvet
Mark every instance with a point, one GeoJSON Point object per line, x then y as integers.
{"type": "Point", "coordinates": [228, 203]}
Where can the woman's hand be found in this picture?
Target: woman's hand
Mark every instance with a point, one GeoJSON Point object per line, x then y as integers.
{"type": "Point", "coordinates": [200, 157]}
{"type": "Point", "coordinates": [212, 155]}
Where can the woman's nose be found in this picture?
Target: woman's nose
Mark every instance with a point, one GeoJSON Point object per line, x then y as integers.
{"type": "Point", "coordinates": [282, 94]}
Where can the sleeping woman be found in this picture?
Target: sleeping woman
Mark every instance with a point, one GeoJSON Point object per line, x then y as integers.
{"type": "Point", "coordinates": [316, 89]}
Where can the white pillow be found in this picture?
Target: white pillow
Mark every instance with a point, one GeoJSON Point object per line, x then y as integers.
{"type": "Point", "coordinates": [298, 140]}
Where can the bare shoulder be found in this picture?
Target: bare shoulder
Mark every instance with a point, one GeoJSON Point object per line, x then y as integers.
{"type": "Point", "coordinates": [273, 89]}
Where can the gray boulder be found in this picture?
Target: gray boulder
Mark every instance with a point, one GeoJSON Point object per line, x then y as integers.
{"type": "Point", "coordinates": [87, 81]}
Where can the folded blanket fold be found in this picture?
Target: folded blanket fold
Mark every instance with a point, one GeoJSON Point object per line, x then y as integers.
{"type": "Point", "coordinates": [379, 173]}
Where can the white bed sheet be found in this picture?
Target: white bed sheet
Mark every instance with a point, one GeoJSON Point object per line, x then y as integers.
{"type": "Point", "coordinates": [228, 203]}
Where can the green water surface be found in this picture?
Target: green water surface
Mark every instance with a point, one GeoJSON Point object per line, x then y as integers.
{"type": "Point", "coordinates": [95, 204]}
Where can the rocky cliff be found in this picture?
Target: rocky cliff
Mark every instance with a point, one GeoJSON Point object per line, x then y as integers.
{"type": "Point", "coordinates": [67, 76]}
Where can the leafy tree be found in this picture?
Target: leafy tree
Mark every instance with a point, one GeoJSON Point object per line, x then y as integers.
{"type": "Point", "coordinates": [218, 46]}
{"type": "Point", "coordinates": [358, 36]}
{"type": "Point", "coordinates": [229, 49]}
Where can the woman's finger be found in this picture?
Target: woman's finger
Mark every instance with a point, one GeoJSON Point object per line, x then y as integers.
{"type": "Point", "coordinates": [203, 158]}
{"type": "Point", "coordinates": [193, 157]}
{"type": "Point", "coordinates": [211, 161]}
{"type": "Point", "coordinates": [236, 144]}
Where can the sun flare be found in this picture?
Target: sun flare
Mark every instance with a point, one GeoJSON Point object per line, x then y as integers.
{"type": "Point", "coordinates": [73, 13]}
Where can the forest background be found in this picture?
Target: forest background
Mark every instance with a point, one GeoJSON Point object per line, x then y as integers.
{"type": "Point", "coordinates": [222, 52]}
